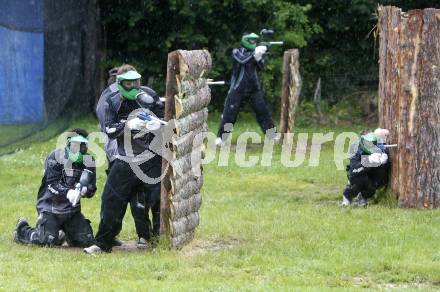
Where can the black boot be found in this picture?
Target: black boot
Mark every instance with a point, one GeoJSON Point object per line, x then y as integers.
{"type": "Point", "coordinates": [18, 233]}
{"type": "Point", "coordinates": [117, 242]}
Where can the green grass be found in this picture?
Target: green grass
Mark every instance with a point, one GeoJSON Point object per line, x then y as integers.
{"type": "Point", "coordinates": [262, 228]}
{"type": "Point", "coordinates": [13, 137]}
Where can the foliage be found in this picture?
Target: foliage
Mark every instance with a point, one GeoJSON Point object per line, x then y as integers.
{"type": "Point", "coordinates": [143, 32]}
{"type": "Point", "coordinates": [344, 54]}
{"type": "Point", "coordinates": [336, 39]}
{"type": "Point", "coordinates": [343, 112]}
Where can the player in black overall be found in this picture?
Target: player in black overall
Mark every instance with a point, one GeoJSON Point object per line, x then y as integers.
{"type": "Point", "coordinates": [245, 86]}
{"type": "Point", "coordinates": [137, 165]}
{"type": "Point", "coordinates": [368, 169]}
{"type": "Point", "coordinates": [139, 204]}
{"type": "Point", "coordinates": [69, 174]}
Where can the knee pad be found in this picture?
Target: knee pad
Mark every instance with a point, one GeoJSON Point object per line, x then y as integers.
{"type": "Point", "coordinates": [47, 239]}
{"type": "Point", "coordinates": [41, 236]}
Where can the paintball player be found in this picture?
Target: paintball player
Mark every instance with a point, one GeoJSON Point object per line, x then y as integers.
{"type": "Point", "coordinates": [245, 85]}
{"type": "Point", "coordinates": [69, 174]}
{"type": "Point", "coordinates": [368, 168]}
{"type": "Point", "coordinates": [138, 204]}
{"type": "Point", "coordinates": [133, 137]}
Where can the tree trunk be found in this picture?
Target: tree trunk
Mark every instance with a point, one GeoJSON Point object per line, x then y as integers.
{"type": "Point", "coordinates": [290, 90]}
{"type": "Point", "coordinates": [317, 101]}
{"type": "Point", "coordinates": [171, 89]}
{"type": "Point", "coordinates": [187, 98]}
{"type": "Point", "coordinates": [409, 102]}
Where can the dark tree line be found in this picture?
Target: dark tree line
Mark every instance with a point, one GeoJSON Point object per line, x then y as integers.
{"type": "Point", "coordinates": [336, 38]}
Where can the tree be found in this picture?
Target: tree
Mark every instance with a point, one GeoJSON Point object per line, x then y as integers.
{"type": "Point", "coordinates": [409, 99]}
{"type": "Point", "coordinates": [143, 32]}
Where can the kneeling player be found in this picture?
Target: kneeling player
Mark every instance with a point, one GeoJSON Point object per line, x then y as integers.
{"type": "Point", "coordinates": [69, 174]}
{"type": "Point", "coordinates": [368, 168]}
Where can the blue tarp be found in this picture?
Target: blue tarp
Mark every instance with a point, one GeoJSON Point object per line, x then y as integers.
{"type": "Point", "coordinates": [21, 62]}
{"type": "Point", "coordinates": [24, 15]}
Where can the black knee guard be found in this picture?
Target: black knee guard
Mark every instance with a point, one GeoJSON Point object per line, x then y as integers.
{"type": "Point", "coordinates": [42, 235]}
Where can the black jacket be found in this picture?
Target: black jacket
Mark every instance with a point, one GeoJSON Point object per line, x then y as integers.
{"type": "Point", "coordinates": [116, 114]}
{"type": "Point", "coordinates": [61, 175]}
{"type": "Point", "coordinates": [112, 90]}
{"type": "Point", "coordinates": [245, 71]}
{"type": "Point", "coordinates": [359, 166]}
{"type": "Point", "coordinates": [111, 146]}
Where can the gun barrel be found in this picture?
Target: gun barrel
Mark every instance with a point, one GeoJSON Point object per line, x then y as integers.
{"type": "Point", "coordinates": [277, 43]}
{"type": "Point", "coordinates": [159, 120]}
{"type": "Point", "coordinates": [266, 31]}
{"type": "Point", "coordinates": [163, 122]}
{"type": "Point", "coordinates": [215, 82]}
{"type": "Point", "coordinates": [147, 117]}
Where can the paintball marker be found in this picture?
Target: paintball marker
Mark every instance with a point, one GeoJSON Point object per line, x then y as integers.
{"type": "Point", "coordinates": [212, 82]}
{"type": "Point", "coordinates": [147, 117]}
{"type": "Point", "coordinates": [382, 146]}
{"type": "Point", "coordinates": [85, 180]}
{"type": "Point", "coordinates": [269, 32]}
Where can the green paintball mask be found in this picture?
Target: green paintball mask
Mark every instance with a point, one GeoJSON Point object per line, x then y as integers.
{"type": "Point", "coordinates": [129, 84]}
{"type": "Point", "coordinates": [76, 148]}
{"type": "Point", "coordinates": [368, 144]}
{"type": "Point", "coordinates": [249, 41]}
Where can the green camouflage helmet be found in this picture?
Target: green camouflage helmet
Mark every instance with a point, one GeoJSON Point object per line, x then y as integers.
{"type": "Point", "coordinates": [129, 93]}
{"type": "Point", "coordinates": [249, 41]}
{"type": "Point", "coordinates": [76, 148]}
{"type": "Point", "coordinates": [368, 144]}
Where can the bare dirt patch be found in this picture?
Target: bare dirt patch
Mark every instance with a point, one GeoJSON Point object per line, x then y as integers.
{"type": "Point", "coordinates": [203, 246]}
{"type": "Point", "coordinates": [130, 246]}
{"type": "Point", "coordinates": [127, 246]}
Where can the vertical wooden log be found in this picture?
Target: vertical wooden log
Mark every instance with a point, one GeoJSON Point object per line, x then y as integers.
{"type": "Point", "coordinates": [409, 101]}
{"type": "Point", "coordinates": [427, 178]}
{"type": "Point", "coordinates": [290, 90]}
{"type": "Point", "coordinates": [187, 98]}
{"type": "Point", "coordinates": [171, 90]}
{"type": "Point", "coordinates": [317, 101]}
{"type": "Point", "coordinates": [389, 22]}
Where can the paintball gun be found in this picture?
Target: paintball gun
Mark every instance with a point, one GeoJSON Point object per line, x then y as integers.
{"type": "Point", "coordinates": [382, 146]}
{"type": "Point", "coordinates": [87, 177]}
{"type": "Point", "coordinates": [269, 32]}
{"type": "Point", "coordinates": [147, 117]}
{"type": "Point", "coordinates": [212, 82]}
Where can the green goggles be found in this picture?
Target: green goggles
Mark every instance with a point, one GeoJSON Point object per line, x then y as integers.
{"type": "Point", "coordinates": [130, 84]}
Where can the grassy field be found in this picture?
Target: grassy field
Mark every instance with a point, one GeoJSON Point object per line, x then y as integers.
{"type": "Point", "coordinates": [262, 228]}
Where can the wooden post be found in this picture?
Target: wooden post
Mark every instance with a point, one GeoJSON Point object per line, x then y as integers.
{"type": "Point", "coordinates": [317, 101]}
{"type": "Point", "coordinates": [187, 98]}
{"type": "Point", "coordinates": [290, 90]}
{"type": "Point", "coordinates": [170, 92]}
{"type": "Point", "coordinates": [409, 101]}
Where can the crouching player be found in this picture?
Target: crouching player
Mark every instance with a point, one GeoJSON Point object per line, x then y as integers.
{"type": "Point", "coordinates": [368, 168]}
{"type": "Point", "coordinates": [69, 174]}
